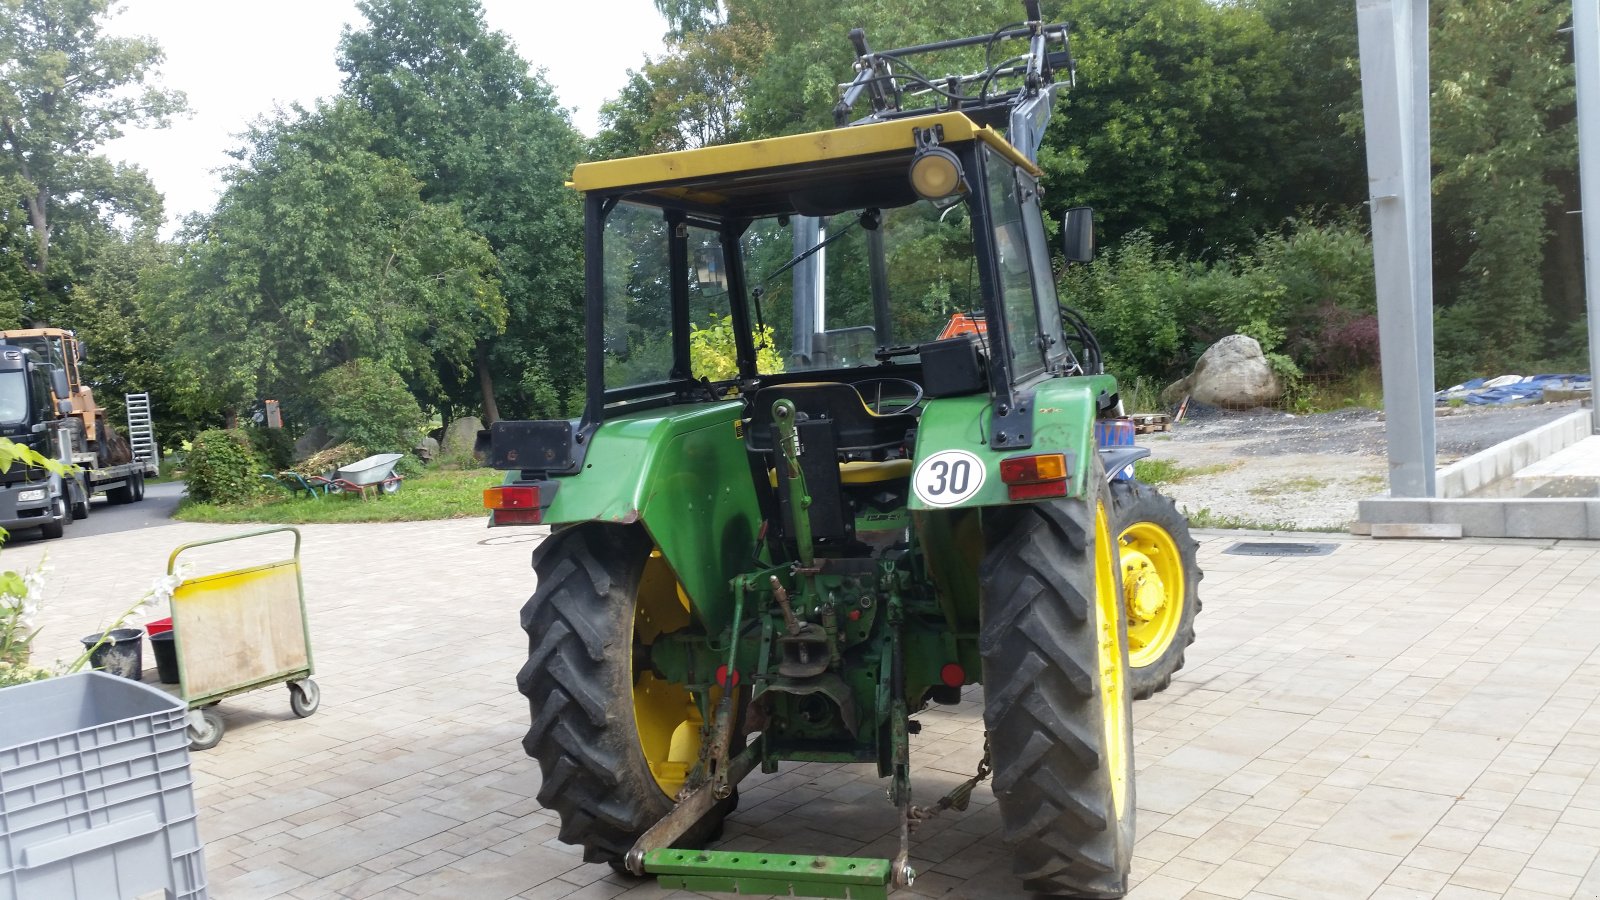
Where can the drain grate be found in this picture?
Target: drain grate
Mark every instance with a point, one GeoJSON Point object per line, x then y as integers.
{"type": "Point", "coordinates": [1279, 548]}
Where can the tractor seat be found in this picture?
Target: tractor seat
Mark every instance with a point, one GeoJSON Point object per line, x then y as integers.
{"type": "Point", "coordinates": [856, 427]}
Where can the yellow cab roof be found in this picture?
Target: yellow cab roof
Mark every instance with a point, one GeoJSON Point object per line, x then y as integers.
{"type": "Point", "coordinates": [760, 177]}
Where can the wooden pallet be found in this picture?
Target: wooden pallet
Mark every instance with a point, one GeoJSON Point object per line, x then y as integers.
{"type": "Point", "coordinates": [1144, 423]}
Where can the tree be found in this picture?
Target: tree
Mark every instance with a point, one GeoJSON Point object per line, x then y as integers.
{"type": "Point", "coordinates": [68, 90]}
{"type": "Point", "coordinates": [1502, 139]}
{"type": "Point", "coordinates": [455, 102]}
{"type": "Point", "coordinates": [1185, 114]}
{"type": "Point", "coordinates": [321, 252]}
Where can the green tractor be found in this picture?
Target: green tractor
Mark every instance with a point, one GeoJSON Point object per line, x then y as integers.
{"type": "Point", "coordinates": [793, 514]}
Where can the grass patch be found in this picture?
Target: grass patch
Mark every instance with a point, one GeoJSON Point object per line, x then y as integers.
{"type": "Point", "coordinates": [1141, 395]}
{"type": "Point", "coordinates": [1165, 471]}
{"type": "Point", "coordinates": [1363, 389]}
{"type": "Point", "coordinates": [1290, 486]}
{"type": "Point", "coordinates": [436, 494]}
{"type": "Point", "coordinates": [1205, 518]}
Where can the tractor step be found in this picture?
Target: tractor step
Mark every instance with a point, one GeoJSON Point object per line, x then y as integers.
{"type": "Point", "coordinates": [770, 873]}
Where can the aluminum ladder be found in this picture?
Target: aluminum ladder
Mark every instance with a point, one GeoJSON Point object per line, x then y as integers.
{"type": "Point", "coordinates": [141, 433]}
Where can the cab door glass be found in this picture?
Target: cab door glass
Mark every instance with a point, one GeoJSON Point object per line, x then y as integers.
{"type": "Point", "coordinates": [1044, 279]}
{"type": "Point", "coordinates": [1014, 266]}
{"type": "Point", "coordinates": [713, 352]}
{"type": "Point", "coordinates": [638, 298]}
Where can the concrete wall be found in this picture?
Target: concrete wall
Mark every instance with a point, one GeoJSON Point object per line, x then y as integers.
{"type": "Point", "coordinates": [1519, 517]}
{"type": "Point", "coordinates": [1460, 479]}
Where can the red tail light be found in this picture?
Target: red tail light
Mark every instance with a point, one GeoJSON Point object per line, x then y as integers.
{"type": "Point", "coordinates": [1035, 477]}
{"type": "Point", "coordinates": [515, 504]}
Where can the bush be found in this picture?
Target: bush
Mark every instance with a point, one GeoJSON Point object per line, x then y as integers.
{"type": "Point", "coordinates": [409, 466]}
{"type": "Point", "coordinates": [272, 446]}
{"type": "Point", "coordinates": [222, 468]}
{"type": "Point", "coordinates": [1306, 294]}
{"type": "Point", "coordinates": [367, 403]}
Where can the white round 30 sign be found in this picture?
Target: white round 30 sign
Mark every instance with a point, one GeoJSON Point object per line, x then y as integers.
{"type": "Point", "coordinates": [948, 477]}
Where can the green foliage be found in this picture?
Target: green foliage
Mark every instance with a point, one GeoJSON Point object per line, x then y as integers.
{"type": "Point", "coordinates": [321, 251]}
{"type": "Point", "coordinates": [1306, 294]}
{"type": "Point", "coordinates": [367, 403]}
{"type": "Point", "coordinates": [20, 598]}
{"type": "Point", "coordinates": [409, 466]}
{"type": "Point", "coordinates": [12, 454]}
{"type": "Point", "coordinates": [273, 446]}
{"type": "Point", "coordinates": [436, 494]}
{"type": "Point", "coordinates": [452, 101]}
{"type": "Point", "coordinates": [66, 90]}
{"type": "Point", "coordinates": [222, 468]}
{"type": "Point", "coordinates": [1503, 144]}
{"type": "Point", "coordinates": [712, 352]}
{"type": "Point", "coordinates": [1166, 471]}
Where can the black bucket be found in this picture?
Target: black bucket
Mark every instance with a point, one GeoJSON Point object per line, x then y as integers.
{"type": "Point", "coordinates": [166, 654]}
{"type": "Point", "coordinates": [122, 652]}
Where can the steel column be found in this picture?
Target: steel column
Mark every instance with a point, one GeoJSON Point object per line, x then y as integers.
{"type": "Point", "coordinates": [1586, 62]}
{"type": "Point", "coordinates": [1394, 96]}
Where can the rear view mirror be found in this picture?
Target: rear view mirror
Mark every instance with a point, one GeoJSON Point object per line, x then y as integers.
{"type": "Point", "coordinates": [1077, 234]}
{"type": "Point", "coordinates": [58, 385]}
{"type": "Point", "coordinates": [83, 352]}
{"type": "Point", "coordinates": [708, 268]}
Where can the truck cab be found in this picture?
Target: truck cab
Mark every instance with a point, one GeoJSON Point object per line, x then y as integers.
{"type": "Point", "coordinates": [32, 497]}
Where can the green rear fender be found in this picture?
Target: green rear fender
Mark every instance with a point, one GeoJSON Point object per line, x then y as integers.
{"type": "Point", "coordinates": [958, 469]}
{"type": "Point", "coordinates": [682, 472]}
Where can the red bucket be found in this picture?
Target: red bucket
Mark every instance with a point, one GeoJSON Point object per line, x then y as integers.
{"type": "Point", "coordinates": [158, 626]}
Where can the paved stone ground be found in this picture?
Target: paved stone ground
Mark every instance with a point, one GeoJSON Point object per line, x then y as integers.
{"type": "Point", "coordinates": [1396, 720]}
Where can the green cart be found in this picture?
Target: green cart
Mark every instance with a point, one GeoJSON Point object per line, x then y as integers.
{"type": "Point", "coordinates": [240, 630]}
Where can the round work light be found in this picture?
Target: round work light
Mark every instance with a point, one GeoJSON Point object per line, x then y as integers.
{"type": "Point", "coordinates": [936, 174]}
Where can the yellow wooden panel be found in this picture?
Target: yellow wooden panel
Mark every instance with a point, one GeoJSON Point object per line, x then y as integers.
{"type": "Point", "coordinates": [835, 143]}
{"type": "Point", "coordinates": [238, 628]}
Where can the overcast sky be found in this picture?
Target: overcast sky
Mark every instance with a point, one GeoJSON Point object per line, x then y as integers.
{"type": "Point", "coordinates": [237, 58]}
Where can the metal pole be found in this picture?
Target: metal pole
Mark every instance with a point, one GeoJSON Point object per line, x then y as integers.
{"type": "Point", "coordinates": [1394, 89]}
{"type": "Point", "coordinates": [1420, 208]}
{"type": "Point", "coordinates": [806, 279]}
{"type": "Point", "coordinates": [1586, 62]}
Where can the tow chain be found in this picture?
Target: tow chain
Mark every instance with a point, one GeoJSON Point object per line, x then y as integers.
{"type": "Point", "coordinates": [960, 796]}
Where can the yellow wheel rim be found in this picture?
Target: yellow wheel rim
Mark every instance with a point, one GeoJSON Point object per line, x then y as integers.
{"type": "Point", "coordinates": [664, 713]}
{"type": "Point", "coordinates": [1113, 666]}
{"type": "Point", "coordinates": [1153, 585]}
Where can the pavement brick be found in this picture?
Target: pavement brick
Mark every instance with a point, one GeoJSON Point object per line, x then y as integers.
{"type": "Point", "coordinates": [1396, 720]}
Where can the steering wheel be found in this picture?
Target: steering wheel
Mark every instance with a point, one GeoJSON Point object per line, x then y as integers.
{"type": "Point", "coordinates": [872, 391]}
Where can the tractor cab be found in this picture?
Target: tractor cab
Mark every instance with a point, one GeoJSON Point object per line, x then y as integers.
{"type": "Point", "coordinates": [827, 269]}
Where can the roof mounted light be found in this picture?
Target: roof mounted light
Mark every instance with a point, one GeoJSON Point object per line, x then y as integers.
{"type": "Point", "coordinates": [936, 173]}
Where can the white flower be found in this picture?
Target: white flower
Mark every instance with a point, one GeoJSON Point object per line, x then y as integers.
{"type": "Point", "coordinates": [162, 588]}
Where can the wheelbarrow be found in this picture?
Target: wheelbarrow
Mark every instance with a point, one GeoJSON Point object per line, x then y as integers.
{"type": "Point", "coordinates": [373, 472]}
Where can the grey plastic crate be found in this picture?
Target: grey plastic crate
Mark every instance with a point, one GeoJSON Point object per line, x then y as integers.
{"type": "Point", "coordinates": [95, 794]}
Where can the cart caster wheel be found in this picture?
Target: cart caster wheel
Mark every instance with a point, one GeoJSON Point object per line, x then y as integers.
{"type": "Point", "coordinates": [304, 697]}
{"type": "Point", "coordinates": [208, 732]}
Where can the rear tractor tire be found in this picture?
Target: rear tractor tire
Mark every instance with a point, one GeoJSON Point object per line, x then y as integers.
{"type": "Point", "coordinates": [1160, 580]}
{"type": "Point", "coordinates": [613, 738]}
{"type": "Point", "coordinates": [1056, 701]}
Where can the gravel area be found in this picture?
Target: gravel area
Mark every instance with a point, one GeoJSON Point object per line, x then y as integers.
{"type": "Point", "coordinates": [1279, 470]}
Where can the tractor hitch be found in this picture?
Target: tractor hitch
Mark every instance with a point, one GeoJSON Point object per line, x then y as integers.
{"type": "Point", "coordinates": [736, 872]}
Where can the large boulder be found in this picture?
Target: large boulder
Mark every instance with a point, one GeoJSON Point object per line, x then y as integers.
{"type": "Point", "coordinates": [1233, 373]}
{"type": "Point", "coordinates": [460, 436]}
{"type": "Point", "coordinates": [427, 449]}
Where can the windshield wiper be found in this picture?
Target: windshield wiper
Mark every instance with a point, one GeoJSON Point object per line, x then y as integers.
{"type": "Point", "coordinates": [813, 251]}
